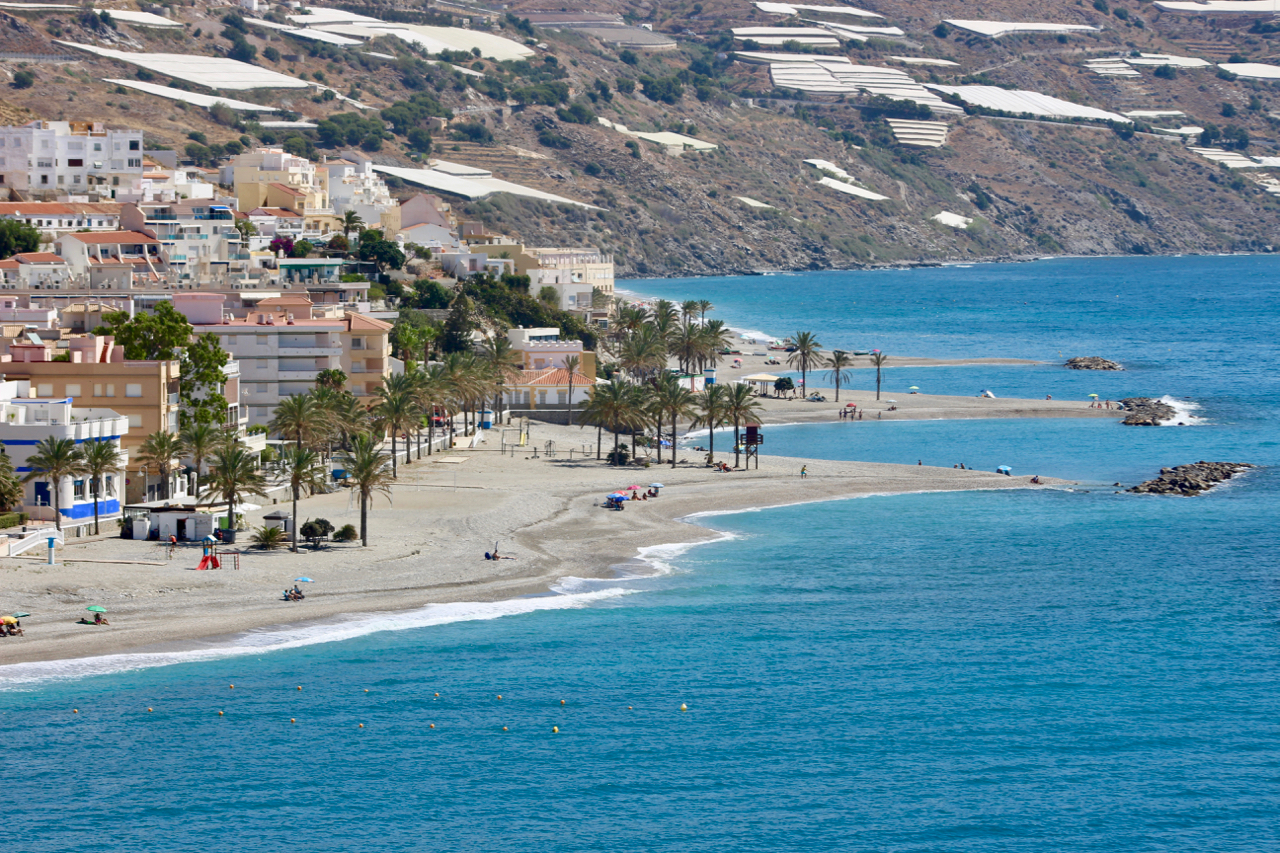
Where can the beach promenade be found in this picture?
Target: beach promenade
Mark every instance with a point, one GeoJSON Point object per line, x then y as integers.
{"type": "Point", "coordinates": [427, 545]}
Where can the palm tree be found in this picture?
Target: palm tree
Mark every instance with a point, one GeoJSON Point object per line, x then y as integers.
{"type": "Point", "coordinates": [100, 458]}
{"type": "Point", "coordinates": [504, 364]}
{"type": "Point", "coordinates": [839, 361]}
{"type": "Point", "coordinates": [331, 378]}
{"type": "Point", "coordinates": [397, 411]}
{"type": "Point", "coordinates": [715, 337]}
{"type": "Point", "coordinates": [878, 359]}
{"type": "Point", "coordinates": [431, 389]}
{"type": "Point", "coordinates": [611, 405]}
{"type": "Point", "coordinates": [199, 440]}
{"type": "Point", "coordinates": [298, 417]}
{"type": "Point", "coordinates": [351, 221]}
{"type": "Point", "coordinates": [688, 308]}
{"type": "Point", "coordinates": [676, 402]}
{"type": "Point", "coordinates": [343, 415]}
{"type": "Point", "coordinates": [303, 468]}
{"type": "Point", "coordinates": [55, 459]}
{"type": "Point", "coordinates": [644, 353]}
{"type": "Point", "coordinates": [805, 354]}
{"type": "Point", "coordinates": [571, 364]}
{"type": "Point", "coordinates": [368, 472]}
{"type": "Point", "coordinates": [704, 305]}
{"type": "Point", "coordinates": [741, 407]}
{"type": "Point", "coordinates": [10, 485]}
{"type": "Point", "coordinates": [234, 474]}
{"type": "Point", "coordinates": [687, 346]}
{"type": "Point", "coordinates": [712, 413]}
{"type": "Point", "coordinates": [163, 451]}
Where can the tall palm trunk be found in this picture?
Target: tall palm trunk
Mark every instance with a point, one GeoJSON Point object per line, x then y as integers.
{"type": "Point", "coordinates": [674, 420]}
{"type": "Point", "coordinates": [658, 427]}
{"type": "Point", "coordinates": [57, 503]}
{"type": "Point", "coordinates": [431, 430]}
{"type": "Point", "coordinates": [231, 515]}
{"type": "Point", "coordinates": [614, 459]}
{"type": "Point", "coordinates": [737, 442]}
{"type": "Point", "coordinates": [393, 452]}
{"type": "Point", "coordinates": [293, 526]}
{"type": "Point", "coordinates": [94, 482]}
{"type": "Point", "coordinates": [599, 440]}
{"type": "Point", "coordinates": [711, 434]}
{"type": "Point", "coordinates": [364, 519]}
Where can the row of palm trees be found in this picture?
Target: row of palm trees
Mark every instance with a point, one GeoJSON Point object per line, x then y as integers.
{"type": "Point", "coordinates": [643, 340]}
{"type": "Point", "coordinates": [661, 404]}
{"type": "Point", "coordinates": [806, 354]}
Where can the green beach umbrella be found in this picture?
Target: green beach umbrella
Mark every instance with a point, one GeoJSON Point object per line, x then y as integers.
{"type": "Point", "coordinates": [21, 615]}
{"type": "Point", "coordinates": [1093, 395]}
{"type": "Point", "coordinates": [95, 608]}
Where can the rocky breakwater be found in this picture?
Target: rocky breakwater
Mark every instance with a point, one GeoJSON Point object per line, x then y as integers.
{"type": "Point", "coordinates": [1092, 362]}
{"type": "Point", "coordinates": [1189, 480]}
{"type": "Point", "coordinates": [1144, 411]}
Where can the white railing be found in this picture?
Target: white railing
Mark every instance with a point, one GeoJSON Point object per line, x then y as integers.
{"type": "Point", "coordinates": [32, 539]}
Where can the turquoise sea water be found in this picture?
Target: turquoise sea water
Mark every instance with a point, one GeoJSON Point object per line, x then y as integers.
{"type": "Point", "coordinates": [1052, 670]}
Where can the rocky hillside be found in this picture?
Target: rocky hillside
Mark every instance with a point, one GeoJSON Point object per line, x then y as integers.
{"type": "Point", "coordinates": [1031, 188]}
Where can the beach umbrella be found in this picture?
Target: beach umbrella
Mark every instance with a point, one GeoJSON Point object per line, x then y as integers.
{"type": "Point", "coordinates": [21, 615]}
{"type": "Point", "coordinates": [891, 401]}
{"type": "Point", "coordinates": [914, 388]}
{"type": "Point", "coordinates": [8, 620]}
{"type": "Point", "coordinates": [304, 580]}
{"type": "Point", "coordinates": [851, 405]}
{"type": "Point", "coordinates": [1093, 395]}
{"type": "Point", "coordinates": [96, 608]}
{"type": "Point", "coordinates": [656, 486]}
{"type": "Point", "coordinates": [631, 488]}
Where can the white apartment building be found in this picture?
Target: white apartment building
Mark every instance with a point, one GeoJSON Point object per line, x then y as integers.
{"type": "Point", "coordinates": [167, 185]}
{"type": "Point", "coordinates": [26, 420]}
{"type": "Point", "coordinates": [541, 348]}
{"type": "Point", "coordinates": [282, 347]}
{"type": "Point", "coordinates": [353, 185]}
{"type": "Point", "coordinates": [45, 159]}
{"type": "Point", "coordinates": [60, 217]}
{"type": "Point", "coordinates": [198, 236]}
{"type": "Point", "coordinates": [13, 312]}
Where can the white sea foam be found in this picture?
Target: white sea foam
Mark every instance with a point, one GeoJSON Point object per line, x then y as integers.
{"type": "Point", "coordinates": [297, 636]}
{"type": "Point", "coordinates": [1185, 412]}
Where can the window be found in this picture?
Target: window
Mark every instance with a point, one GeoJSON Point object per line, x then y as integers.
{"type": "Point", "coordinates": [77, 490]}
{"type": "Point", "coordinates": [73, 390]}
{"type": "Point", "coordinates": [135, 145]}
{"type": "Point", "coordinates": [260, 388]}
{"type": "Point", "coordinates": [135, 421]}
{"type": "Point", "coordinates": [260, 340]}
{"type": "Point", "coordinates": [111, 389]}
{"type": "Point", "coordinates": [76, 163]}
{"type": "Point", "coordinates": [562, 397]}
{"type": "Point", "coordinates": [260, 363]}
{"type": "Point", "coordinates": [44, 389]}
{"type": "Point", "coordinates": [97, 146]}
{"type": "Point", "coordinates": [135, 162]}
{"type": "Point", "coordinates": [542, 398]}
{"type": "Point", "coordinates": [44, 179]}
{"type": "Point", "coordinates": [357, 343]}
{"type": "Point", "coordinates": [133, 389]}
{"type": "Point", "coordinates": [228, 342]}
{"type": "Point", "coordinates": [259, 411]}
{"type": "Point", "coordinates": [97, 389]}
{"type": "Point", "coordinates": [109, 486]}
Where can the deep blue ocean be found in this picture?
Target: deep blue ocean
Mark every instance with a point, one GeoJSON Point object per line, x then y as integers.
{"type": "Point", "coordinates": [1065, 670]}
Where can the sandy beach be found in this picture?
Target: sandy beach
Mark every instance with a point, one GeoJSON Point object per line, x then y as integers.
{"type": "Point", "coordinates": [427, 545]}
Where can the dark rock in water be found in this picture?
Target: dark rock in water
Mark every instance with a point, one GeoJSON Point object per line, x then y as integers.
{"type": "Point", "coordinates": [1190, 480]}
{"type": "Point", "coordinates": [1092, 362]}
{"type": "Point", "coordinates": [1144, 411]}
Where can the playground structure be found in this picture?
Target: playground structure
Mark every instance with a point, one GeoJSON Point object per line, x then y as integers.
{"type": "Point", "coordinates": [212, 559]}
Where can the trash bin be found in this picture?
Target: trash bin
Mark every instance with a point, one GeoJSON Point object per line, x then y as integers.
{"type": "Point", "coordinates": [228, 537]}
{"type": "Point", "coordinates": [486, 419]}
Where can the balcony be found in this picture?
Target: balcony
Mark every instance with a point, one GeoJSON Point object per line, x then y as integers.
{"type": "Point", "coordinates": [175, 399]}
{"type": "Point", "coordinates": [297, 375]}
{"type": "Point", "coordinates": [319, 352]}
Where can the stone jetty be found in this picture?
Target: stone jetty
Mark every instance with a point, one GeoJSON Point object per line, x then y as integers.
{"type": "Point", "coordinates": [1145, 411]}
{"type": "Point", "coordinates": [1189, 480]}
{"type": "Point", "coordinates": [1092, 362]}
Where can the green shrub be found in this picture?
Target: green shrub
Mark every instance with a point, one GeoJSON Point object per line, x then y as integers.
{"type": "Point", "coordinates": [269, 538]}
{"type": "Point", "coordinates": [13, 519]}
{"type": "Point", "coordinates": [24, 80]}
{"type": "Point", "coordinates": [347, 533]}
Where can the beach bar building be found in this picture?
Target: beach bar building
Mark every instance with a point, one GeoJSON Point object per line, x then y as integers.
{"type": "Point", "coordinates": [26, 420]}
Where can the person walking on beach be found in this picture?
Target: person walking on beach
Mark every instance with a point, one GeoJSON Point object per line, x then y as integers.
{"type": "Point", "coordinates": [804, 471]}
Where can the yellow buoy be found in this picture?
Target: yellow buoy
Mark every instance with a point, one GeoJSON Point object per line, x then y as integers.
{"type": "Point", "coordinates": [683, 707]}
{"type": "Point", "coordinates": [299, 686]}
{"type": "Point", "coordinates": [233, 687]}
{"type": "Point", "coordinates": [75, 710]}
{"type": "Point", "coordinates": [628, 707]}
{"type": "Point", "coordinates": [504, 728]}
{"type": "Point", "coordinates": [292, 720]}
{"type": "Point", "coordinates": [148, 710]}
{"type": "Point", "coordinates": [499, 695]}
{"type": "Point", "coordinates": [362, 725]}
{"type": "Point", "coordinates": [366, 690]}
{"type": "Point", "coordinates": [437, 695]}
{"type": "Point", "coordinates": [561, 701]}
{"type": "Point", "coordinates": [555, 730]}
{"type": "Point", "coordinates": [219, 713]}
{"type": "Point", "coordinates": [433, 725]}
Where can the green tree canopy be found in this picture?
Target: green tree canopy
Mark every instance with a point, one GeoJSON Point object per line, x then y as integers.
{"type": "Point", "coordinates": [17, 237]}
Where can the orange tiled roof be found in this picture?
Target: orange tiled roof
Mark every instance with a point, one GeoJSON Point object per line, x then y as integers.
{"type": "Point", "coordinates": [369, 324]}
{"type": "Point", "coordinates": [553, 376]}
{"type": "Point", "coordinates": [39, 258]}
{"type": "Point", "coordinates": [287, 189]}
{"type": "Point", "coordinates": [129, 238]}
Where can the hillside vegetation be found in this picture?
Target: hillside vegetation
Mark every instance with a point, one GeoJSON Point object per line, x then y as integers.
{"type": "Point", "coordinates": [1031, 188]}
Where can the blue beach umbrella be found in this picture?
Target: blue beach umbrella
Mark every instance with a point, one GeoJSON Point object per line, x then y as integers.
{"type": "Point", "coordinates": [304, 580]}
